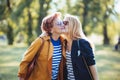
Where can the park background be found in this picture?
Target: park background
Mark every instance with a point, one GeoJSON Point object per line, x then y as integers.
{"type": "Point", "coordinates": [20, 24]}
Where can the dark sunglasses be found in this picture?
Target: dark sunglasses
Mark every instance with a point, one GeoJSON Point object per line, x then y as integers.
{"type": "Point", "coordinates": [65, 22]}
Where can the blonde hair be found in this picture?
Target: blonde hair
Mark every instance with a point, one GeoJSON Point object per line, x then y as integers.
{"type": "Point", "coordinates": [75, 28]}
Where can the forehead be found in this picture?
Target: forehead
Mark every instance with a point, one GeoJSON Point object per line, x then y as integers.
{"type": "Point", "coordinates": [58, 19]}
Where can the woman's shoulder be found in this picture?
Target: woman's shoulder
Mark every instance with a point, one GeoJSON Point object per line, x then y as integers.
{"type": "Point", "coordinates": [38, 40]}
{"type": "Point", "coordinates": [83, 41]}
{"type": "Point", "coordinates": [86, 43]}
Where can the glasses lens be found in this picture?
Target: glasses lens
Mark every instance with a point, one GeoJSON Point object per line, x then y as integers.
{"type": "Point", "coordinates": [65, 22]}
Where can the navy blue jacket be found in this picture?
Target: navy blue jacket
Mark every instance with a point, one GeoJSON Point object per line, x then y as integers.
{"type": "Point", "coordinates": [79, 68]}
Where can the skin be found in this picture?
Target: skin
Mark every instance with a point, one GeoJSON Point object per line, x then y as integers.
{"type": "Point", "coordinates": [57, 29]}
{"type": "Point", "coordinates": [94, 72]}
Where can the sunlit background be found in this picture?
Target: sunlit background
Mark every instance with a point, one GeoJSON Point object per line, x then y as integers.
{"type": "Point", "coordinates": [20, 24]}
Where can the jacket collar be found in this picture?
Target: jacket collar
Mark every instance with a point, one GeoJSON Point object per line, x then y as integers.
{"type": "Point", "coordinates": [48, 38]}
{"type": "Point", "coordinates": [63, 43]}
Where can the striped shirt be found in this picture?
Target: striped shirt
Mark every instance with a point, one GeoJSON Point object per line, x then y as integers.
{"type": "Point", "coordinates": [70, 74]}
{"type": "Point", "coordinates": [56, 58]}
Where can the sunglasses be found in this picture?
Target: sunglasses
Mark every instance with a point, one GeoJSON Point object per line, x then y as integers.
{"type": "Point", "coordinates": [65, 22]}
{"type": "Point", "coordinates": [59, 23]}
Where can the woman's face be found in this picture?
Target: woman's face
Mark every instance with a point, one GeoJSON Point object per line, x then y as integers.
{"type": "Point", "coordinates": [58, 26]}
{"type": "Point", "coordinates": [66, 25]}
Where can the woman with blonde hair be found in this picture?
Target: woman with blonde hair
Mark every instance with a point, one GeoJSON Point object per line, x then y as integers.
{"type": "Point", "coordinates": [78, 47]}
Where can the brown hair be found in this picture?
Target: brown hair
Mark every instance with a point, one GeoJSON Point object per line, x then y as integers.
{"type": "Point", "coordinates": [47, 22]}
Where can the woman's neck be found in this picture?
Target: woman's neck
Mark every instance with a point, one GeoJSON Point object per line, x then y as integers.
{"type": "Point", "coordinates": [69, 43]}
{"type": "Point", "coordinates": [55, 36]}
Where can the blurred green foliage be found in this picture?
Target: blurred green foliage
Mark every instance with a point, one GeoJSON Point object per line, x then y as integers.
{"type": "Point", "coordinates": [25, 16]}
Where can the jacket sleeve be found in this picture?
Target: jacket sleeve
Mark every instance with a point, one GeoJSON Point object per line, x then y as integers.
{"type": "Point", "coordinates": [28, 56]}
{"type": "Point", "coordinates": [88, 53]}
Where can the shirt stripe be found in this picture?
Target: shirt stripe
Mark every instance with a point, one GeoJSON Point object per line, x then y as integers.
{"type": "Point", "coordinates": [70, 74]}
{"type": "Point", "coordinates": [56, 58]}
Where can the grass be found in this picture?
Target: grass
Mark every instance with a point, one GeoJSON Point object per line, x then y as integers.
{"type": "Point", "coordinates": [108, 62]}
{"type": "Point", "coordinates": [10, 57]}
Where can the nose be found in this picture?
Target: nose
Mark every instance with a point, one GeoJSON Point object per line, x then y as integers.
{"type": "Point", "coordinates": [63, 26]}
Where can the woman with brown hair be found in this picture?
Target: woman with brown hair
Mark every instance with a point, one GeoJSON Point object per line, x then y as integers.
{"type": "Point", "coordinates": [50, 62]}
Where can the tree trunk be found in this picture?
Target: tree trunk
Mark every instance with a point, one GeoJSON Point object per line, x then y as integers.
{"type": "Point", "coordinates": [106, 39]}
{"type": "Point", "coordinates": [85, 13]}
{"type": "Point", "coordinates": [84, 20]}
{"type": "Point", "coordinates": [29, 28]}
{"type": "Point", "coordinates": [8, 5]}
{"type": "Point", "coordinates": [42, 13]}
{"type": "Point", "coordinates": [10, 35]}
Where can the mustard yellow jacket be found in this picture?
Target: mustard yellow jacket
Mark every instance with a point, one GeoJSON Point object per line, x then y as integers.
{"type": "Point", "coordinates": [43, 67]}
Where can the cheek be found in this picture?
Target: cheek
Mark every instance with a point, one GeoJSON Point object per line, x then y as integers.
{"type": "Point", "coordinates": [66, 28]}
{"type": "Point", "coordinates": [57, 29]}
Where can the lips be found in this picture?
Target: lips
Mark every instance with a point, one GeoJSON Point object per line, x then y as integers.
{"type": "Point", "coordinates": [62, 27]}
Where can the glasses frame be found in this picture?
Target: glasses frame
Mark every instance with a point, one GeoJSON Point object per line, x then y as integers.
{"type": "Point", "coordinates": [65, 22]}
